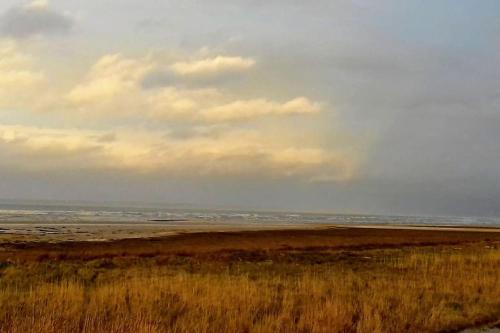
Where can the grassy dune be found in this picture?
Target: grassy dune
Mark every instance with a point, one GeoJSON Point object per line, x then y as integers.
{"type": "Point", "coordinates": [433, 286]}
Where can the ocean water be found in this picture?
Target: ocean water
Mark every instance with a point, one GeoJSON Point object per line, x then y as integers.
{"type": "Point", "coordinates": [15, 213]}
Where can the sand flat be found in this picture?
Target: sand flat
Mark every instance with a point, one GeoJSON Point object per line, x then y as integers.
{"type": "Point", "coordinates": [105, 231]}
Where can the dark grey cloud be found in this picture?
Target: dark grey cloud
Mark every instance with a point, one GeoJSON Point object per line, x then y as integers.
{"type": "Point", "coordinates": [26, 21]}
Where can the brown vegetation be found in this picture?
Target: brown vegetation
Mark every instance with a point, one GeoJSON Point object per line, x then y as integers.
{"type": "Point", "coordinates": [335, 280]}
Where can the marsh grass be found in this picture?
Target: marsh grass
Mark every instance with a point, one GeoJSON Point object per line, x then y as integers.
{"type": "Point", "coordinates": [411, 289]}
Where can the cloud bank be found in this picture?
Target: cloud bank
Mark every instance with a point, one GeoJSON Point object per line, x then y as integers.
{"type": "Point", "coordinates": [234, 153]}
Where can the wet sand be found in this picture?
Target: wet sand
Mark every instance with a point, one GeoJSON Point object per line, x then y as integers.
{"type": "Point", "coordinates": [106, 231]}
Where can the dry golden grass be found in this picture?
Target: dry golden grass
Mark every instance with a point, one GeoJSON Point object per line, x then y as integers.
{"type": "Point", "coordinates": [408, 289]}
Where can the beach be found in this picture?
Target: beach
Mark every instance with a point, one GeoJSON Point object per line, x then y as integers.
{"type": "Point", "coordinates": [104, 231]}
{"type": "Point", "coordinates": [50, 223]}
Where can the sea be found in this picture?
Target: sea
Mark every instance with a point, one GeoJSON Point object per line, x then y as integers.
{"type": "Point", "coordinates": [57, 213]}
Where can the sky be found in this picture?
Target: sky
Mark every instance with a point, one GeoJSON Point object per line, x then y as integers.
{"type": "Point", "coordinates": [376, 107]}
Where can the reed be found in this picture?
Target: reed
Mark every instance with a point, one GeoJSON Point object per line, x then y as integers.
{"type": "Point", "coordinates": [410, 289]}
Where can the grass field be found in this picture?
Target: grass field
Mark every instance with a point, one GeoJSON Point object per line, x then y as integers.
{"type": "Point", "coordinates": [335, 280]}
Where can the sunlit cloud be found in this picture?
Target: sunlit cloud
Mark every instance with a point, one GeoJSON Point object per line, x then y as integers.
{"type": "Point", "coordinates": [38, 4]}
{"type": "Point", "coordinates": [112, 76]}
{"type": "Point", "coordinates": [222, 135]}
{"type": "Point", "coordinates": [173, 103]}
{"type": "Point", "coordinates": [210, 105]}
{"type": "Point", "coordinates": [248, 109]}
{"type": "Point", "coordinates": [17, 75]}
{"type": "Point", "coordinates": [235, 153]}
{"type": "Point", "coordinates": [113, 86]}
{"type": "Point", "coordinates": [212, 66]}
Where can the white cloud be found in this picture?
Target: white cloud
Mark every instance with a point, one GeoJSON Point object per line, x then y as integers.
{"type": "Point", "coordinates": [212, 66]}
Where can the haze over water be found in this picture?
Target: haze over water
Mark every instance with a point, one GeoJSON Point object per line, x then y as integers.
{"type": "Point", "coordinates": [49, 214]}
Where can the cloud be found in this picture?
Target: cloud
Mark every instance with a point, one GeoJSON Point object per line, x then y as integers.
{"type": "Point", "coordinates": [212, 66]}
{"type": "Point", "coordinates": [113, 84]}
{"type": "Point", "coordinates": [18, 78]}
{"type": "Point", "coordinates": [173, 103]}
{"type": "Point", "coordinates": [211, 105]}
{"type": "Point", "coordinates": [38, 4]}
{"type": "Point", "coordinates": [234, 153]}
{"type": "Point", "coordinates": [249, 109]}
{"type": "Point", "coordinates": [158, 79]}
{"type": "Point", "coordinates": [38, 149]}
{"type": "Point", "coordinates": [167, 132]}
{"type": "Point", "coordinates": [35, 18]}
{"type": "Point", "coordinates": [15, 67]}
